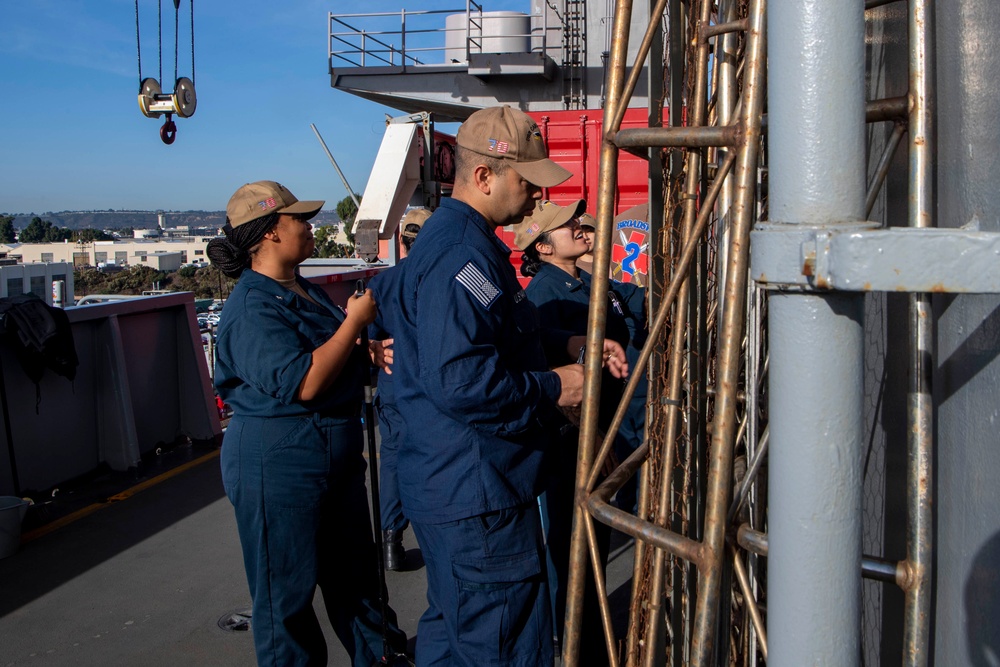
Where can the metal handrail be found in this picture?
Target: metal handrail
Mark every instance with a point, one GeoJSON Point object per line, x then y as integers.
{"type": "Point", "coordinates": [358, 41]}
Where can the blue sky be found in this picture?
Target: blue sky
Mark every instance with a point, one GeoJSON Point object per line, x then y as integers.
{"type": "Point", "coordinates": [72, 136]}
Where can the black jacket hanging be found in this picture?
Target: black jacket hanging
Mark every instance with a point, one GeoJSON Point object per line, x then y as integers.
{"type": "Point", "coordinates": [40, 336]}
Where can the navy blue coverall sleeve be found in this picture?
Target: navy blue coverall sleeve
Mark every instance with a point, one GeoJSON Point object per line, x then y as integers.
{"type": "Point", "coordinates": [265, 354]}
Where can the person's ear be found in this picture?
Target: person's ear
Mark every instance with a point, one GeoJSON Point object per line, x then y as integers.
{"type": "Point", "coordinates": [481, 177]}
{"type": "Point", "coordinates": [544, 248]}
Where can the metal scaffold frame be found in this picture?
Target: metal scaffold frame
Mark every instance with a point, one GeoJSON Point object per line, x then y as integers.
{"type": "Point", "coordinates": [737, 147]}
{"type": "Point", "coordinates": [715, 353]}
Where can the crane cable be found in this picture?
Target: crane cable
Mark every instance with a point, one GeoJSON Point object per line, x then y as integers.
{"type": "Point", "coordinates": [138, 46]}
{"type": "Point", "coordinates": [169, 130]}
{"type": "Point", "coordinates": [191, 5]}
{"type": "Point", "coordinates": [159, 36]}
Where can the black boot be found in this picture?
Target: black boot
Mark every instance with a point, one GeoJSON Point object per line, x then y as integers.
{"type": "Point", "coordinates": [395, 554]}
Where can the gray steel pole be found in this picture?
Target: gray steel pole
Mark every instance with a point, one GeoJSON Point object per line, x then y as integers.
{"type": "Point", "coordinates": [966, 565]}
{"type": "Point", "coordinates": [350, 192]}
{"type": "Point", "coordinates": [817, 173]}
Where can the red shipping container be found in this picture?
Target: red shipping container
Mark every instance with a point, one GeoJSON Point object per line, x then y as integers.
{"type": "Point", "coordinates": [574, 141]}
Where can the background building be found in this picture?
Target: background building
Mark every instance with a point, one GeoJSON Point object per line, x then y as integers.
{"type": "Point", "coordinates": [51, 281]}
{"type": "Point", "coordinates": [122, 253]}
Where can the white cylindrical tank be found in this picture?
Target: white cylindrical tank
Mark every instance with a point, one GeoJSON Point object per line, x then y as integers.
{"type": "Point", "coordinates": [58, 286]}
{"type": "Point", "coordinates": [491, 32]}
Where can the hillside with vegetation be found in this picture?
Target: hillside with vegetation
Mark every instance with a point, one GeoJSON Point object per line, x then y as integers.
{"type": "Point", "coordinates": [206, 283]}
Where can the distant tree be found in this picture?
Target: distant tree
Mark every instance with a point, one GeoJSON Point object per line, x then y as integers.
{"type": "Point", "coordinates": [7, 232]}
{"type": "Point", "coordinates": [34, 231]}
{"type": "Point", "coordinates": [187, 271]}
{"type": "Point", "coordinates": [135, 280]}
{"type": "Point", "coordinates": [57, 234]}
{"type": "Point", "coordinates": [346, 211]}
{"type": "Point", "coordinates": [206, 283]}
{"type": "Point", "coordinates": [88, 235]}
{"type": "Point", "coordinates": [215, 283]}
{"type": "Point", "coordinates": [327, 245]}
{"type": "Point", "coordinates": [322, 240]}
{"type": "Point", "coordinates": [43, 231]}
{"type": "Point", "coordinates": [90, 281]}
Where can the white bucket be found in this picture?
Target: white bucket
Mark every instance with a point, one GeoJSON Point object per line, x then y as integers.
{"type": "Point", "coordinates": [12, 510]}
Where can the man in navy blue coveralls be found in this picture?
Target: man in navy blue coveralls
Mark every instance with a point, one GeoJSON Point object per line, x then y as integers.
{"type": "Point", "coordinates": [473, 387]}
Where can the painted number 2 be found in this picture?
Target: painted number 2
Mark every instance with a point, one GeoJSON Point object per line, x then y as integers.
{"type": "Point", "coordinates": [633, 251]}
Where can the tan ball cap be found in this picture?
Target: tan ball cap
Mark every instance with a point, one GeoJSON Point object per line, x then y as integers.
{"type": "Point", "coordinates": [548, 215]}
{"type": "Point", "coordinates": [509, 134]}
{"type": "Point", "coordinates": [255, 200]}
{"type": "Point", "coordinates": [415, 216]}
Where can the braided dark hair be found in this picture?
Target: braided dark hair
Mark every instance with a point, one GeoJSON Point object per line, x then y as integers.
{"type": "Point", "coordinates": [232, 253]}
{"type": "Point", "coordinates": [531, 261]}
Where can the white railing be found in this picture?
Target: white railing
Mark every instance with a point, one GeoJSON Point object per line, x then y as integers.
{"type": "Point", "coordinates": [407, 38]}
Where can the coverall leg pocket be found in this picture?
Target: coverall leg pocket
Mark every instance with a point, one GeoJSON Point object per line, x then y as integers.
{"type": "Point", "coordinates": [502, 612]}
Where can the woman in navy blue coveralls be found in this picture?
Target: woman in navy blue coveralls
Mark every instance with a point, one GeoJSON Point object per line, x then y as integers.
{"type": "Point", "coordinates": [553, 241]}
{"type": "Point", "coordinates": [292, 462]}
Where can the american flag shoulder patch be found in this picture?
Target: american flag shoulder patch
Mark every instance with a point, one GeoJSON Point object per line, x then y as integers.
{"type": "Point", "coordinates": [478, 285]}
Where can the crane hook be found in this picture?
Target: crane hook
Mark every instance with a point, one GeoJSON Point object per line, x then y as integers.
{"type": "Point", "coordinates": [169, 131]}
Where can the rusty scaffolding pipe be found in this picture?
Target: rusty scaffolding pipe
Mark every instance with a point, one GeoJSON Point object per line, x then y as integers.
{"type": "Point", "coordinates": [602, 590]}
{"type": "Point", "coordinates": [708, 555]}
{"type": "Point", "coordinates": [722, 28]}
{"type": "Point", "coordinates": [898, 130]}
{"type": "Point", "coordinates": [727, 381]}
{"type": "Point", "coordinates": [661, 538]}
{"type": "Point", "coordinates": [751, 475]}
{"type": "Point", "coordinates": [889, 108]}
{"type": "Point", "coordinates": [750, 600]}
{"type": "Point", "coordinates": [640, 58]}
{"type": "Point", "coordinates": [920, 404]}
{"type": "Point", "coordinates": [697, 107]}
{"type": "Point", "coordinates": [683, 266]}
{"type": "Point", "coordinates": [676, 137]}
{"type": "Point", "coordinates": [607, 177]}
{"type": "Point", "coordinates": [673, 414]}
